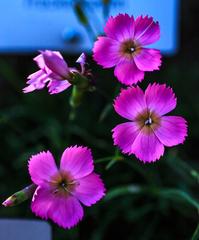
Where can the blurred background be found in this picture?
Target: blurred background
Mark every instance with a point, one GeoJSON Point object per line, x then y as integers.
{"type": "Point", "coordinates": [157, 201]}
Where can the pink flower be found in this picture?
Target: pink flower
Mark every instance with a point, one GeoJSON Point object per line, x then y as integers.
{"type": "Point", "coordinates": [54, 71]}
{"type": "Point", "coordinates": [61, 192]}
{"type": "Point", "coordinates": [148, 130]}
{"type": "Point", "coordinates": [124, 47]}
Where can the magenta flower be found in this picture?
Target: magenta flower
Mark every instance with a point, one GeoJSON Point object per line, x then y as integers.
{"type": "Point", "coordinates": [61, 192]}
{"type": "Point", "coordinates": [54, 72]}
{"type": "Point", "coordinates": [124, 47]}
{"type": "Point", "coordinates": [148, 130]}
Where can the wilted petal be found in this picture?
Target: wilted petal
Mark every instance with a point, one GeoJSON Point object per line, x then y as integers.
{"type": "Point", "coordinates": [120, 27]}
{"type": "Point", "coordinates": [124, 136]}
{"type": "Point", "coordinates": [172, 130]}
{"type": "Point", "coordinates": [55, 62]}
{"type": "Point", "coordinates": [148, 59]}
{"type": "Point", "coordinates": [106, 52]}
{"type": "Point", "coordinates": [146, 30]}
{"type": "Point", "coordinates": [128, 73]}
{"type": "Point", "coordinates": [90, 189]}
{"type": "Point", "coordinates": [78, 161]}
{"type": "Point", "coordinates": [130, 102]}
{"type": "Point", "coordinates": [160, 99]}
{"type": "Point", "coordinates": [42, 167]}
{"type": "Point", "coordinates": [147, 146]}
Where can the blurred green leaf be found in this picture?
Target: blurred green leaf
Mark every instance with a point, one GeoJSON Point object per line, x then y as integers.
{"type": "Point", "coordinates": [105, 159]}
{"type": "Point", "coordinates": [181, 167]}
{"type": "Point", "coordinates": [175, 194]}
{"type": "Point", "coordinates": [110, 164]}
{"type": "Point", "coordinates": [196, 234]}
{"type": "Point", "coordinates": [123, 190]}
{"type": "Point", "coordinates": [108, 108]}
{"type": "Point", "coordinates": [80, 14]}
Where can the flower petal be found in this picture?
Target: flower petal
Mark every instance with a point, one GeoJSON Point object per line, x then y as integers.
{"type": "Point", "coordinates": [36, 76]}
{"type": "Point", "coordinates": [172, 130]}
{"type": "Point", "coordinates": [128, 73]}
{"type": "Point", "coordinates": [57, 86]}
{"type": "Point", "coordinates": [124, 135]}
{"type": "Point", "coordinates": [148, 59]}
{"type": "Point", "coordinates": [81, 59]}
{"type": "Point", "coordinates": [160, 99]}
{"type": "Point", "coordinates": [65, 211]}
{"type": "Point", "coordinates": [41, 202]}
{"type": "Point", "coordinates": [78, 161]}
{"type": "Point", "coordinates": [90, 189]}
{"type": "Point", "coordinates": [147, 146]}
{"type": "Point", "coordinates": [106, 52]}
{"type": "Point", "coordinates": [130, 103]}
{"type": "Point", "coordinates": [37, 81]}
{"type": "Point", "coordinates": [41, 167]}
{"type": "Point", "coordinates": [120, 27]}
{"type": "Point", "coordinates": [55, 62]}
{"type": "Point", "coordinates": [40, 61]}
{"type": "Point", "coordinates": [29, 88]}
{"type": "Point", "coordinates": [146, 30]}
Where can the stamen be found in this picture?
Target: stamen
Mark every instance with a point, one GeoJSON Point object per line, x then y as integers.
{"type": "Point", "coordinates": [148, 121]}
{"type": "Point", "coordinates": [64, 186]}
{"type": "Point", "coordinates": [132, 49]}
{"type": "Point", "coordinates": [56, 191]}
{"type": "Point", "coordinates": [72, 182]}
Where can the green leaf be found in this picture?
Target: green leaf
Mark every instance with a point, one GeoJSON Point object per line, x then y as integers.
{"type": "Point", "coordinates": [110, 164]}
{"type": "Point", "coordinates": [123, 190]}
{"type": "Point", "coordinates": [105, 159]}
{"type": "Point", "coordinates": [196, 234]}
{"type": "Point", "coordinates": [173, 193]}
{"type": "Point", "coordinates": [108, 108]}
{"type": "Point", "coordinates": [80, 14]}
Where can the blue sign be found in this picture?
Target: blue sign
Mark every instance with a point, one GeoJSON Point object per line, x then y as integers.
{"type": "Point", "coordinates": [30, 25]}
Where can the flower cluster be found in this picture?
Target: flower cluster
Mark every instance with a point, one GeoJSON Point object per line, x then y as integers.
{"type": "Point", "coordinates": [61, 192]}
{"type": "Point", "coordinates": [148, 130]}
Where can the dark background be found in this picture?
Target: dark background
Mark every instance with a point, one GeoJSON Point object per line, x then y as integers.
{"type": "Point", "coordinates": [145, 201]}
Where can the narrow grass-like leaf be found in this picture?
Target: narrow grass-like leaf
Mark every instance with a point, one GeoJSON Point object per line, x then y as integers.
{"type": "Point", "coordinates": [123, 190]}
{"type": "Point", "coordinates": [196, 234]}
{"type": "Point", "coordinates": [173, 193]}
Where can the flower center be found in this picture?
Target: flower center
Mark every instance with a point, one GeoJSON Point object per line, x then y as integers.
{"type": "Point", "coordinates": [129, 49]}
{"type": "Point", "coordinates": [148, 120]}
{"type": "Point", "coordinates": [63, 184]}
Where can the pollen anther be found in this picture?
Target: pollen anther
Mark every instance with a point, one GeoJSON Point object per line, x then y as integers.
{"type": "Point", "coordinates": [148, 121]}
